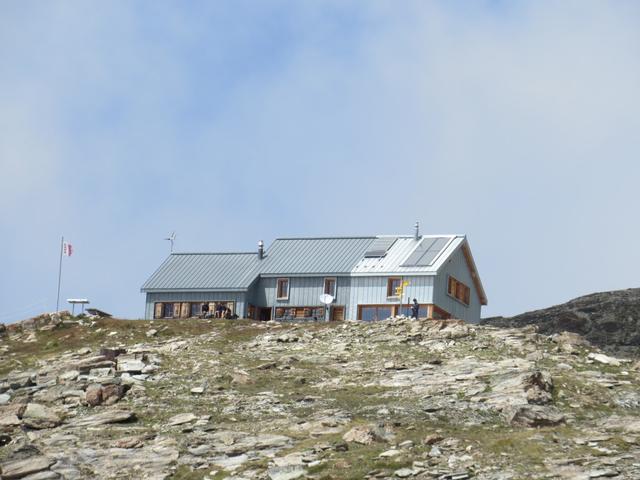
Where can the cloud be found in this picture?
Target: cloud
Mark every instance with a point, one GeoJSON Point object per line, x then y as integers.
{"type": "Point", "coordinates": [514, 123]}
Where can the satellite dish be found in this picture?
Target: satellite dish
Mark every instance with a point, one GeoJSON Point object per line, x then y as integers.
{"type": "Point", "coordinates": [326, 299]}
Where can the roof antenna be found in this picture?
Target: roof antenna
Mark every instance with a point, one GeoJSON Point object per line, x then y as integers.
{"type": "Point", "coordinates": [171, 239]}
{"type": "Point", "coordinates": [416, 234]}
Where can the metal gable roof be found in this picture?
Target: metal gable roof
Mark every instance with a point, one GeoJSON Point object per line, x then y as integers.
{"type": "Point", "coordinates": [314, 256]}
{"type": "Point", "coordinates": [204, 271]}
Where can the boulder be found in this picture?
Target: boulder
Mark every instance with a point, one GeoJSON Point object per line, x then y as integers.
{"type": "Point", "coordinates": [367, 434]}
{"type": "Point", "coordinates": [112, 353]}
{"type": "Point", "coordinates": [538, 387]}
{"type": "Point", "coordinates": [93, 395]}
{"type": "Point", "coordinates": [113, 392]}
{"type": "Point", "coordinates": [535, 416]}
{"type": "Point", "coordinates": [10, 415]}
{"type": "Point", "coordinates": [38, 417]}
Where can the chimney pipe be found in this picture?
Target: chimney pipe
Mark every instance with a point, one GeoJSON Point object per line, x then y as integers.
{"type": "Point", "coordinates": [260, 250]}
{"type": "Point", "coordinates": [416, 234]}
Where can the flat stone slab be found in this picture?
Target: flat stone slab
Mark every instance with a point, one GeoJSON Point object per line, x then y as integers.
{"type": "Point", "coordinates": [181, 419]}
{"type": "Point", "coordinates": [286, 473]}
{"type": "Point", "coordinates": [21, 468]}
{"type": "Point", "coordinates": [114, 416]}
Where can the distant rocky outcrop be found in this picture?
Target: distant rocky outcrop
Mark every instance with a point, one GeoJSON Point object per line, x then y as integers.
{"type": "Point", "coordinates": [607, 319]}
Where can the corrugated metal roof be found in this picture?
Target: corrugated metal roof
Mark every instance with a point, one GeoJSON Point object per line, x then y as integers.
{"type": "Point", "coordinates": [400, 251]}
{"type": "Point", "coordinates": [205, 271]}
{"type": "Point", "coordinates": [296, 256]}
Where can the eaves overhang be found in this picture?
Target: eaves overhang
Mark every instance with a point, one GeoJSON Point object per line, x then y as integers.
{"type": "Point", "coordinates": [171, 290]}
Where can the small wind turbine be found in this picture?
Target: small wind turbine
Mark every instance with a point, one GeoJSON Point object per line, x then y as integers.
{"type": "Point", "coordinates": [171, 239]}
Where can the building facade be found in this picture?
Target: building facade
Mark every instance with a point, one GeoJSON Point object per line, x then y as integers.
{"type": "Point", "coordinates": [368, 278]}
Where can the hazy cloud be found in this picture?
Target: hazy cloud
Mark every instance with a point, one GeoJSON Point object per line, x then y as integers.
{"type": "Point", "coordinates": [514, 123]}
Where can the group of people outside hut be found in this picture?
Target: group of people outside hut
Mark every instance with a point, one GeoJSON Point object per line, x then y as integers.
{"type": "Point", "coordinates": [220, 310]}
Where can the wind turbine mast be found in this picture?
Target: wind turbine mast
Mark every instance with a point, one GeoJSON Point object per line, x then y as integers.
{"type": "Point", "coordinates": [171, 238]}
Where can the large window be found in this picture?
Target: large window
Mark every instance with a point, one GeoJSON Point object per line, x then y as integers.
{"type": "Point", "coordinates": [330, 286]}
{"type": "Point", "coordinates": [282, 292]}
{"type": "Point", "coordinates": [459, 291]}
{"type": "Point", "coordinates": [292, 313]}
{"type": "Point", "coordinates": [194, 309]}
{"type": "Point", "coordinates": [370, 313]}
{"type": "Point", "coordinates": [393, 283]}
{"type": "Point", "coordinates": [167, 310]}
{"type": "Point", "coordinates": [423, 311]}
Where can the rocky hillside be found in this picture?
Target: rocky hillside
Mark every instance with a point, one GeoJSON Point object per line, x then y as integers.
{"type": "Point", "coordinates": [211, 399]}
{"type": "Point", "coordinates": [607, 319]}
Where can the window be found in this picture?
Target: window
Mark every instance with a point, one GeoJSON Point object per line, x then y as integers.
{"type": "Point", "coordinates": [393, 284]}
{"type": "Point", "coordinates": [371, 313]}
{"type": "Point", "coordinates": [282, 289]}
{"type": "Point", "coordinates": [330, 286]}
{"type": "Point", "coordinates": [305, 313]}
{"type": "Point", "coordinates": [459, 291]}
{"type": "Point", "coordinates": [196, 309]}
{"type": "Point", "coordinates": [168, 310]}
{"type": "Point", "coordinates": [423, 310]}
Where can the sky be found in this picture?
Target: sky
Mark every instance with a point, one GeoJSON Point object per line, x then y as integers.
{"type": "Point", "coordinates": [515, 123]}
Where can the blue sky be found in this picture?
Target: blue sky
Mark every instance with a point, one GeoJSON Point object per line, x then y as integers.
{"type": "Point", "coordinates": [229, 122]}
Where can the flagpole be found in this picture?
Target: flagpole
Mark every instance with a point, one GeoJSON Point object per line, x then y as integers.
{"type": "Point", "coordinates": [59, 275]}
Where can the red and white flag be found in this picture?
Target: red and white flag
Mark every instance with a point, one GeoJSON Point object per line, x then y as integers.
{"type": "Point", "coordinates": [67, 249]}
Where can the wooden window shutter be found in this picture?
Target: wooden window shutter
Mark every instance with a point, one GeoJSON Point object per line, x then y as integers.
{"type": "Point", "coordinates": [158, 310]}
{"type": "Point", "coordinates": [185, 312]}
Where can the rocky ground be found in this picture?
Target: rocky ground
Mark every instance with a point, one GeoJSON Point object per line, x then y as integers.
{"type": "Point", "coordinates": [197, 399]}
{"type": "Point", "coordinates": [610, 320]}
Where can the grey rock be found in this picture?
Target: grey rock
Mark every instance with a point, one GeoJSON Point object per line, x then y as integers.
{"type": "Point", "coordinates": [286, 473]}
{"type": "Point", "coordinates": [39, 417]}
{"type": "Point", "coordinates": [21, 468]}
{"type": "Point", "coordinates": [404, 473]}
{"type": "Point", "coordinates": [535, 416]}
{"type": "Point", "coordinates": [181, 419]}
{"type": "Point", "coordinates": [104, 418]}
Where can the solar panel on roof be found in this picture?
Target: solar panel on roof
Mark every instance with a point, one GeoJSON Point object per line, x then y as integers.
{"type": "Point", "coordinates": [426, 252]}
{"type": "Point", "coordinates": [432, 252]}
{"type": "Point", "coordinates": [418, 252]}
{"type": "Point", "coordinates": [379, 247]}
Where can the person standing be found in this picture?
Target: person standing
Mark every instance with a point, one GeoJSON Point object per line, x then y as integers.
{"type": "Point", "coordinates": [415, 308]}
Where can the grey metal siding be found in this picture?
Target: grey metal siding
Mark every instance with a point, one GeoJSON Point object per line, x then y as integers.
{"type": "Point", "coordinates": [303, 291]}
{"type": "Point", "coordinates": [373, 291]}
{"type": "Point", "coordinates": [457, 267]}
{"type": "Point", "coordinates": [238, 297]}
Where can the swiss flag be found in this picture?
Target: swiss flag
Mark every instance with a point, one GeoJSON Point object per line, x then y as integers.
{"type": "Point", "coordinates": [67, 249]}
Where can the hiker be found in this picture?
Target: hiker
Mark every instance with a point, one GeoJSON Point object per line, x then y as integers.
{"type": "Point", "coordinates": [205, 310]}
{"type": "Point", "coordinates": [220, 310]}
{"type": "Point", "coordinates": [415, 308]}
